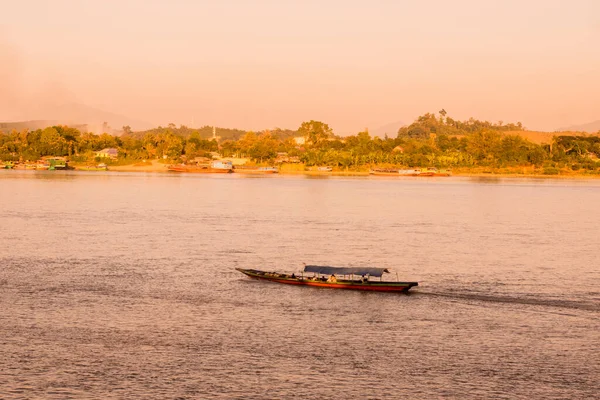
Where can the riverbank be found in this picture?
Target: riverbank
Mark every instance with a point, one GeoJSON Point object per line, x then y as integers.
{"type": "Point", "coordinates": [155, 166]}
{"type": "Point", "coordinates": [149, 166]}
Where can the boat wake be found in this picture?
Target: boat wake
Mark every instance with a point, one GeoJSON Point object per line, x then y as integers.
{"type": "Point", "coordinates": [543, 302]}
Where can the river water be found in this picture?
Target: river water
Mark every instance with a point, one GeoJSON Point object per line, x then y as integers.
{"type": "Point", "coordinates": [122, 286]}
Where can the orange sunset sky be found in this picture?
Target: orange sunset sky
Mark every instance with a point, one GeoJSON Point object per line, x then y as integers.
{"type": "Point", "coordinates": [265, 63]}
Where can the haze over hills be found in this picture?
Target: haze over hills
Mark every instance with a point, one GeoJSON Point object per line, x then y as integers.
{"type": "Point", "coordinates": [76, 114]}
{"type": "Point", "coordinates": [390, 129]}
{"type": "Point", "coordinates": [591, 127]}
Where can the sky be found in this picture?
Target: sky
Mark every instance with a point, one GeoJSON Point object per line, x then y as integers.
{"type": "Point", "coordinates": [258, 64]}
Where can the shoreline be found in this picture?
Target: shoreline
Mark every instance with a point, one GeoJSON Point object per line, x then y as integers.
{"type": "Point", "coordinates": [164, 169]}
{"type": "Point", "coordinates": [155, 166]}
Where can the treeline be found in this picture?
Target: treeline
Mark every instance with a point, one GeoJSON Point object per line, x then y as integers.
{"type": "Point", "coordinates": [206, 132]}
{"type": "Point", "coordinates": [431, 141]}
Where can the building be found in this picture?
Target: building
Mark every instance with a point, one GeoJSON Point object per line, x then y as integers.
{"type": "Point", "coordinates": [109, 152]}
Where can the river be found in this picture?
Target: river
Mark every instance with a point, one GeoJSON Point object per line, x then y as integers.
{"type": "Point", "coordinates": [123, 285]}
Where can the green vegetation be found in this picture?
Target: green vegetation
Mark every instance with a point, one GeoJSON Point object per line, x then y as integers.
{"type": "Point", "coordinates": [430, 141]}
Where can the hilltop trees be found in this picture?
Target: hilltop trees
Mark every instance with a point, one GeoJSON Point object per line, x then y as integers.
{"type": "Point", "coordinates": [428, 124]}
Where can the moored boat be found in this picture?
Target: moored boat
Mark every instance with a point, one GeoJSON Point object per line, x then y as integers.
{"type": "Point", "coordinates": [99, 167]}
{"type": "Point", "coordinates": [410, 172]}
{"type": "Point", "coordinates": [268, 170]}
{"type": "Point", "coordinates": [442, 172]}
{"type": "Point", "coordinates": [434, 172]}
{"type": "Point", "coordinates": [334, 278]}
{"type": "Point", "coordinates": [395, 172]}
{"type": "Point", "coordinates": [214, 167]}
{"type": "Point", "coordinates": [384, 171]}
{"type": "Point", "coordinates": [57, 163]}
{"type": "Point", "coordinates": [256, 170]}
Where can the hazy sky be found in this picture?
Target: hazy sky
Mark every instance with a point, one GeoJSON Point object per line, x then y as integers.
{"type": "Point", "coordinates": [273, 63]}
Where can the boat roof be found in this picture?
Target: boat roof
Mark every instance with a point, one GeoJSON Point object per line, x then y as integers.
{"type": "Point", "coordinates": [327, 270]}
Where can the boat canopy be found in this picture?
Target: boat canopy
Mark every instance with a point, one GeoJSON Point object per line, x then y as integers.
{"type": "Point", "coordinates": [326, 270]}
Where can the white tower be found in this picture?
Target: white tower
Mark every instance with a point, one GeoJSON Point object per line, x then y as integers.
{"type": "Point", "coordinates": [214, 133]}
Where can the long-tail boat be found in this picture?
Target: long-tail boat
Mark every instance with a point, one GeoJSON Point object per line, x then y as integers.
{"type": "Point", "coordinates": [334, 278]}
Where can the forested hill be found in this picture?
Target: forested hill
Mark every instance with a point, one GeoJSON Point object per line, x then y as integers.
{"type": "Point", "coordinates": [428, 124]}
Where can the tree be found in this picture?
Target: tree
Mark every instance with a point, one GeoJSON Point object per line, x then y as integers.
{"type": "Point", "coordinates": [513, 149]}
{"type": "Point", "coordinates": [483, 145]}
{"type": "Point", "coordinates": [247, 142]}
{"type": "Point", "coordinates": [170, 145]}
{"type": "Point", "coordinates": [414, 131]}
{"type": "Point", "coordinates": [263, 148]}
{"type": "Point", "coordinates": [536, 156]}
{"type": "Point", "coordinates": [51, 143]}
{"type": "Point", "coordinates": [315, 132]}
{"type": "Point", "coordinates": [443, 114]}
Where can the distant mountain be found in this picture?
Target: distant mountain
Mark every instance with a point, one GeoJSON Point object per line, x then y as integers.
{"type": "Point", "coordinates": [8, 127]}
{"type": "Point", "coordinates": [592, 127]}
{"type": "Point", "coordinates": [77, 115]}
{"type": "Point", "coordinates": [390, 129]}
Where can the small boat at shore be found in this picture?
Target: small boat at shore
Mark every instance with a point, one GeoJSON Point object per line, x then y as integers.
{"type": "Point", "coordinates": [334, 278]}
{"type": "Point", "coordinates": [99, 167]}
{"type": "Point", "coordinates": [215, 167]}
{"type": "Point", "coordinates": [384, 171]}
{"type": "Point", "coordinates": [442, 172]}
{"type": "Point", "coordinates": [434, 172]}
{"type": "Point", "coordinates": [409, 172]}
{"type": "Point", "coordinates": [256, 170]}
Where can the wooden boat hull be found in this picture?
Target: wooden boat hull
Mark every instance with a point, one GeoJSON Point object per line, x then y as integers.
{"type": "Point", "coordinates": [371, 286]}
{"type": "Point", "coordinates": [384, 173]}
{"type": "Point", "coordinates": [254, 171]}
{"type": "Point", "coordinates": [200, 170]}
{"type": "Point", "coordinates": [400, 173]}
